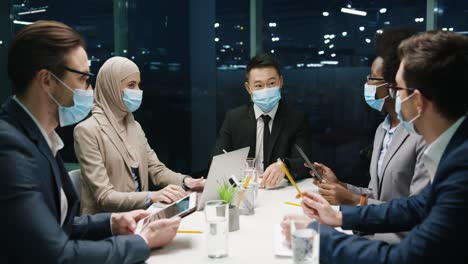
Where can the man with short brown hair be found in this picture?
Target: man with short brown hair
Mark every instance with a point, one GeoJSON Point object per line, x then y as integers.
{"type": "Point", "coordinates": [432, 94]}
{"type": "Point", "coordinates": [49, 69]}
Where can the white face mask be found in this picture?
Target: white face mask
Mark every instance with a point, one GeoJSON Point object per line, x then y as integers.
{"type": "Point", "coordinates": [82, 104]}
{"type": "Point", "coordinates": [267, 98]}
{"type": "Point", "coordinates": [369, 96]}
{"type": "Point", "coordinates": [132, 99]}
{"type": "Point", "coordinates": [408, 125]}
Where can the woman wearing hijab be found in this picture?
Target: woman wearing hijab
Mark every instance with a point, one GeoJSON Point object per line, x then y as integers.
{"type": "Point", "coordinates": [115, 157]}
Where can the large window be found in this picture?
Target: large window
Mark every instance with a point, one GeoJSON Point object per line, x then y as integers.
{"type": "Point", "coordinates": [452, 15]}
{"type": "Point", "coordinates": [158, 42]}
{"type": "Point", "coordinates": [92, 19]}
{"type": "Point", "coordinates": [232, 34]}
{"type": "Point", "coordinates": [192, 57]}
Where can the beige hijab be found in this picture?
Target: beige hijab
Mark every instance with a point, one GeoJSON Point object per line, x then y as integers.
{"type": "Point", "coordinates": [109, 107]}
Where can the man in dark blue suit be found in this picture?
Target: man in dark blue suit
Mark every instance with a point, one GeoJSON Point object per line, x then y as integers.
{"type": "Point", "coordinates": [49, 70]}
{"type": "Point", "coordinates": [431, 84]}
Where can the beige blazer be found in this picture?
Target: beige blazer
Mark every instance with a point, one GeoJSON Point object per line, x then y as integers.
{"type": "Point", "coordinates": [107, 184]}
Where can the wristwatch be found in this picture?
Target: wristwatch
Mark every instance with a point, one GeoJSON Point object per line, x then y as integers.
{"type": "Point", "coordinates": [184, 186]}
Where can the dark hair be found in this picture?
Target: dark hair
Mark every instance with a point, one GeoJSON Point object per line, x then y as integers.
{"type": "Point", "coordinates": [436, 63]}
{"type": "Point", "coordinates": [42, 45]}
{"type": "Point", "coordinates": [386, 45]}
{"type": "Point", "coordinates": [263, 60]}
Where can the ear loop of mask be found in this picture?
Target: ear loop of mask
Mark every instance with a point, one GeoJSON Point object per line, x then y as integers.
{"type": "Point", "coordinates": [377, 86]}
{"type": "Point", "coordinates": [63, 83]}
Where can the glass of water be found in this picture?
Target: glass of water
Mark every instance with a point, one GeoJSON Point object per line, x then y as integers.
{"type": "Point", "coordinates": [305, 241]}
{"type": "Point", "coordinates": [251, 169]}
{"type": "Point", "coordinates": [217, 219]}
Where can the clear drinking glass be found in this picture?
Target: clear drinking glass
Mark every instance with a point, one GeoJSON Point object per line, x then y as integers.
{"type": "Point", "coordinates": [251, 169]}
{"type": "Point", "coordinates": [246, 199]}
{"type": "Point", "coordinates": [217, 219]}
{"type": "Point", "coordinates": [305, 241]}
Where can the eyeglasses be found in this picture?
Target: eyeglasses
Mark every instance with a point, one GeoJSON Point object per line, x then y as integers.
{"type": "Point", "coordinates": [87, 74]}
{"type": "Point", "coordinates": [370, 78]}
{"type": "Point", "coordinates": [397, 88]}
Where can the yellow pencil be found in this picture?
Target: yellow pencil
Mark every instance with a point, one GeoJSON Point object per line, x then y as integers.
{"type": "Point", "coordinates": [286, 171]}
{"type": "Point", "coordinates": [293, 204]}
{"type": "Point", "coordinates": [189, 232]}
{"type": "Point", "coordinates": [241, 195]}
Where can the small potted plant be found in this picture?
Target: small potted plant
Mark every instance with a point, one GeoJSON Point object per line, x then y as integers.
{"type": "Point", "coordinates": [226, 193]}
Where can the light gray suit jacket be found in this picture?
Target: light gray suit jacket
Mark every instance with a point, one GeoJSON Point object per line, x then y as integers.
{"type": "Point", "coordinates": [403, 172]}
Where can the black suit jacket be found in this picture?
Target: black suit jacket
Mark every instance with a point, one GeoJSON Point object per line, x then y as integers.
{"type": "Point", "coordinates": [30, 183]}
{"type": "Point", "coordinates": [290, 127]}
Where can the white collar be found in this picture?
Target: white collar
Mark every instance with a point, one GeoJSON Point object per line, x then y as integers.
{"type": "Point", "coordinates": [54, 141]}
{"type": "Point", "coordinates": [436, 149]}
{"type": "Point", "coordinates": [387, 125]}
{"type": "Point", "coordinates": [259, 112]}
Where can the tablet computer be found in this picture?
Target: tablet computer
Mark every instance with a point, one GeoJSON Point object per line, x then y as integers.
{"type": "Point", "coordinates": [182, 208]}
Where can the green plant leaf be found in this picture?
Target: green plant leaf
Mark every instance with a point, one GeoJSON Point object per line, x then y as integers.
{"type": "Point", "coordinates": [226, 192]}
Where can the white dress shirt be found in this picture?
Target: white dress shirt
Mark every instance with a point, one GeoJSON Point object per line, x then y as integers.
{"type": "Point", "coordinates": [260, 126]}
{"type": "Point", "coordinates": [434, 151]}
{"type": "Point", "coordinates": [55, 144]}
{"type": "Point", "coordinates": [389, 133]}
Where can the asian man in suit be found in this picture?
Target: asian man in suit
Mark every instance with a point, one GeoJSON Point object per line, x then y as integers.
{"type": "Point", "coordinates": [268, 125]}
{"type": "Point", "coordinates": [49, 69]}
{"type": "Point", "coordinates": [431, 100]}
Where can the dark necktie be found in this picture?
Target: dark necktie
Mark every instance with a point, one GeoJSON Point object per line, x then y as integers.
{"type": "Point", "coordinates": [266, 139]}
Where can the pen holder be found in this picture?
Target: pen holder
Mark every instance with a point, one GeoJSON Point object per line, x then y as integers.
{"type": "Point", "coordinates": [246, 200]}
{"type": "Point", "coordinates": [233, 218]}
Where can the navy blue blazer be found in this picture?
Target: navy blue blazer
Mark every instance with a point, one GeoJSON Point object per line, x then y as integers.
{"type": "Point", "coordinates": [437, 219]}
{"type": "Point", "coordinates": [30, 183]}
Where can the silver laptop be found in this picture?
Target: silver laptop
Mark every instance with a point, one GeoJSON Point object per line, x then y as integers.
{"type": "Point", "coordinates": [222, 167]}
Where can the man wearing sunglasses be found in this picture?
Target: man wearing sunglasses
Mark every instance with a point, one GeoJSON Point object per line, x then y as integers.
{"type": "Point", "coordinates": [49, 70]}
{"type": "Point", "coordinates": [432, 101]}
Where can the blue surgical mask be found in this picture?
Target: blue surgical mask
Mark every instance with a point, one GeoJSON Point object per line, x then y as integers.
{"type": "Point", "coordinates": [267, 98]}
{"type": "Point", "coordinates": [132, 99]}
{"type": "Point", "coordinates": [83, 102]}
{"type": "Point", "coordinates": [408, 125]}
{"type": "Point", "coordinates": [369, 96]}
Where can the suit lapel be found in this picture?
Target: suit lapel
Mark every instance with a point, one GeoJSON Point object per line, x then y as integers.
{"type": "Point", "coordinates": [398, 139]}
{"type": "Point", "coordinates": [110, 132]}
{"type": "Point", "coordinates": [72, 197]}
{"type": "Point", "coordinates": [32, 131]}
{"type": "Point", "coordinates": [251, 131]}
{"type": "Point", "coordinates": [379, 137]}
{"type": "Point", "coordinates": [458, 138]}
{"type": "Point", "coordinates": [277, 127]}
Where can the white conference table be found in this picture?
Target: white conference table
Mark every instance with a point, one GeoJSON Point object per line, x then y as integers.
{"type": "Point", "coordinates": [252, 243]}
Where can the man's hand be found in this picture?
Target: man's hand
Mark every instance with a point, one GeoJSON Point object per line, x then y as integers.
{"type": "Point", "coordinates": [195, 185]}
{"type": "Point", "coordinates": [160, 232]}
{"type": "Point", "coordinates": [336, 194]}
{"type": "Point", "coordinates": [169, 194]}
{"type": "Point", "coordinates": [272, 175]}
{"type": "Point", "coordinates": [315, 206]}
{"type": "Point", "coordinates": [125, 223]}
{"type": "Point", "coordinates": [303, 220]}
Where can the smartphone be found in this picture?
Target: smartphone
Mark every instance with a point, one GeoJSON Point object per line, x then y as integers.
{"type": "Point", "coordinates": [182, 208]}
{"type": "Point", "coordinates": [312, 167]}
{"type": "Point", "coordinates": [234, 181]}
